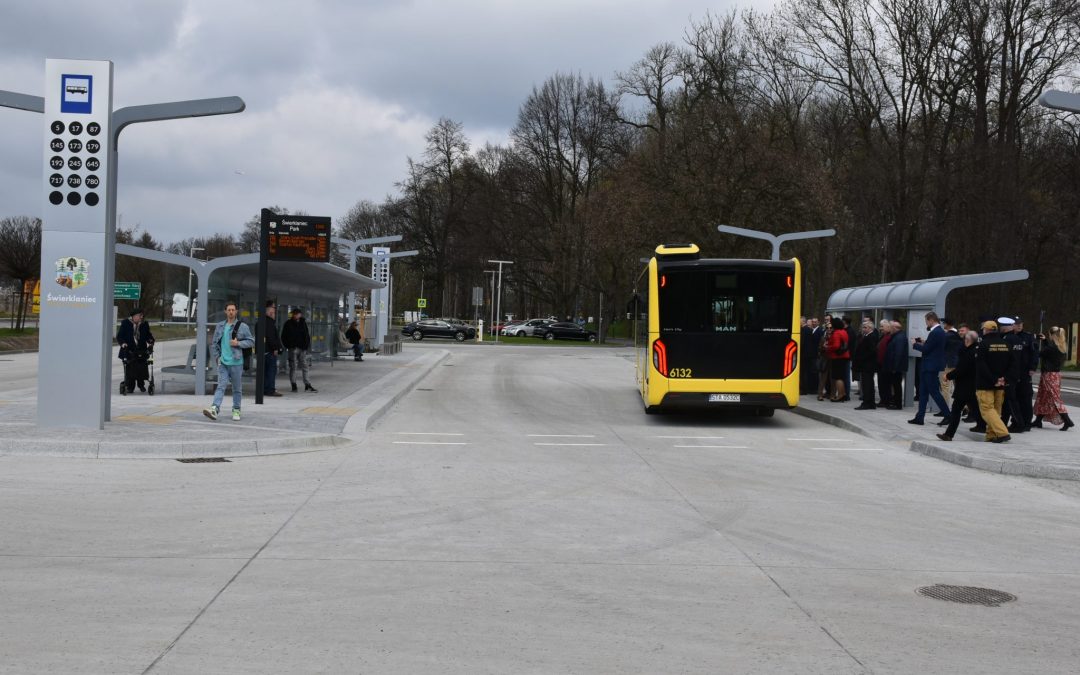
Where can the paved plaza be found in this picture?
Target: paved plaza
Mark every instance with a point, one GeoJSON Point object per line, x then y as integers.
{"type": "Point", "coordinates": [515, 511]}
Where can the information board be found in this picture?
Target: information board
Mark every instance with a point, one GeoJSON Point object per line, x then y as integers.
{"type": "Point", "coordinates": [298, 238]}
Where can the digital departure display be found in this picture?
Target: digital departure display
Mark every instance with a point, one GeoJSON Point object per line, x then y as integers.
{"type": "Point", "coordinates": [299, 239]}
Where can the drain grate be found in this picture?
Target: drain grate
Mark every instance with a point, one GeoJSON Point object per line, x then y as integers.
{"type": "Point", "coordinates": [202, 460]}
{"type": "Point", "coordinates": [968, 595]}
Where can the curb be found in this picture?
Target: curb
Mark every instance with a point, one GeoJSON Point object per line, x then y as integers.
{"type": "Point", "coordinates": [113, 450]}
{"type": "Point", "coordinates": [1009, 467]}
{"type": "Point", "coordinates": [397, 387]}
{"type": "Point", "coordinates": [947, 454]}
{"type": "Point", "coordinates": [829, 419]}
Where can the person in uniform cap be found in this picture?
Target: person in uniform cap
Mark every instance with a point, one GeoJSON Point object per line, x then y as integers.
{"type": "Point", "coordinates": [1026, 362]}
{"type": "Point", "coordinates": [993, 363]}
{"type": "Point", "coordinates": [1010, 410]}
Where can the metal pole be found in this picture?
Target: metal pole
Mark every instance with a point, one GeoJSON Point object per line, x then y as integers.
{"type": "Point", "coordinates": [260, 325]}
{"type": "Point", "coordinates": [498, 311]}
{"type": "Point", "coordinates": [191, 254]}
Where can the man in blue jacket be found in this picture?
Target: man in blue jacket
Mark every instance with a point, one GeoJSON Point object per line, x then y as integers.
{"type": "Point", "coordinates": [933, 362]}
{"type": "Point", "coordinates": [231, 338]}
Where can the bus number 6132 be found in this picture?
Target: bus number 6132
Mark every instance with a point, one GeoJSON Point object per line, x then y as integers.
{"type": "Point", "coordinates": [680, 372]}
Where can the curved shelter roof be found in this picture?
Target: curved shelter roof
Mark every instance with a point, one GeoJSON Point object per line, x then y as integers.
{"type": "Point", "coordinates": [295, 280]}
{"type": "Point", "coordinates": [919, 294]}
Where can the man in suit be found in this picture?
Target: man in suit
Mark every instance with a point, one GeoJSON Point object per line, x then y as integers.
{"type": "Point", "coordinates": [933, 362]}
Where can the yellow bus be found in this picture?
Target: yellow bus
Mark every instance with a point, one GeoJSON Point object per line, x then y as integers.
{"type": "Point", "coordinates": [715, 333]}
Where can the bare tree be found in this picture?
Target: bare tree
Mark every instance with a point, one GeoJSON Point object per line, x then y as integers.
{"type": "Point", "coordinates": [20, 257]}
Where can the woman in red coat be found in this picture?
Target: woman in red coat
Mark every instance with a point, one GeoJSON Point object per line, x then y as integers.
{"type": "Point", "coordinates": [839, 354]}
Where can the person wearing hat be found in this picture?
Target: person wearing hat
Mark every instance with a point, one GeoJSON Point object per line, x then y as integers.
{"type": "Point", "coordinates": [993, 363]}
{"type": "Point", "coordinates": [1018, 404]}
{"type": "Point", "coordinates": [136, 341]}
{"type": "Point", "coordinates": [297, 339]}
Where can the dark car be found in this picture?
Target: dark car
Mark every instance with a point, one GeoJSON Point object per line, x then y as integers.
{"type": "Point", "coordinates": [565, 330]}
{"type": "Point", "coordinates": [437, 328]}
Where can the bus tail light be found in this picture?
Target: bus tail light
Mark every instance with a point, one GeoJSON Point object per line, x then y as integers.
{"type": "Point", "coordinates": [791, 358]}
{"type": "Point", "coordinates": [659, 357]}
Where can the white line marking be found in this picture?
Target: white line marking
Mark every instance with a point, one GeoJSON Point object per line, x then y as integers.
{"type": "Point", "coordinates": [573, 445]}
{"type": "Point", "coordinates": [425, 433]}
{"type": "Point", "coordinates": [729, 447]}
{"type": "Point", "coordinates": [695, 438]}
{"type": "Point", "coordinates": [846, 448]}
{"type": "Point", "coordinates": [561, 436]}
{"type": "Point", "coordinates": [823, 440]}
{"type": "Point", "coordinates": [426, 443]}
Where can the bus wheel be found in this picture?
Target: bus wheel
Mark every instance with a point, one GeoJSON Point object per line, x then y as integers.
{"type": "Point", "coordinates": [652, 410]}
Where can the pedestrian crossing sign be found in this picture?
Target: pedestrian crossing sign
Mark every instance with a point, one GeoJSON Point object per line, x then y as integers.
{"type": "Point", "coordinates": [421, 303]}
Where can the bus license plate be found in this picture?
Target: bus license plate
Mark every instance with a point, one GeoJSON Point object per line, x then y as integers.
{"type": "Point", "coordinates": [723, 398]}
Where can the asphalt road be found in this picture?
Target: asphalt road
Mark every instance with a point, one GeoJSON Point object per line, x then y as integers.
{"type": "Point", "coordinates": [518, 512]}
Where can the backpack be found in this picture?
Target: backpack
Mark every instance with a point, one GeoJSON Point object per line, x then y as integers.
{"type": "Point", "coordinates": [246, 351]}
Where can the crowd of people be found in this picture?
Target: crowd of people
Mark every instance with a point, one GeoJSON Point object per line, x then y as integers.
{"type": "Point", "coordinates": [981, 375]}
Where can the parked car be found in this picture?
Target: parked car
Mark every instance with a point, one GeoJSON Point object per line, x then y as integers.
{"type": "Point", "coordinates": [530, 327]}
{"type": "Point", "coordinates": [511, 328]}
{"type": "Point", "coordinates": [437, 328]}
{"type": "Point", "coordinates": [564, 330]}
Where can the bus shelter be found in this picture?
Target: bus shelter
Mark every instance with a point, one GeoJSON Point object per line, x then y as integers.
{"type": "Point", "coordinates": [316, 288]}
{"type": "Point", "coordinates": [909, 301]}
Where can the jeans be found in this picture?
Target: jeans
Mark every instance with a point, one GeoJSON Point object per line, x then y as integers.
{"type": "Point", "coordinates": [225, 375]}
{"type": "Point", "coordinates": [930, 387]}
{"type": "Point", "coordinates": [298, 357]}
{"type": "Point", "coordinates": [270, 374]}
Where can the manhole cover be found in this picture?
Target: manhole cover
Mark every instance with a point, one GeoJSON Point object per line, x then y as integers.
{"type": "Point", "coordinates": [202, 460]}
{"type": "Point", "coordinates": [969, 595]}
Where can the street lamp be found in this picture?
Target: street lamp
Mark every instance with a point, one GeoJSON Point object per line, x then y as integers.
{"type": "Point", "coordinates": [191, 254]}
{"type": "Point", "coordinates": [498, 310]}
{"type": "Point", "coordinates": [491, 327]}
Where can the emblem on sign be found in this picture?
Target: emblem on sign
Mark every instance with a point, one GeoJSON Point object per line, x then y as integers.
{"type": "Point", "coordinates": [72, 272]}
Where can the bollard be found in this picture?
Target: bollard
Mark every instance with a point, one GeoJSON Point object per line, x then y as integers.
{"type": "Point", "coordinates": [480, 331]}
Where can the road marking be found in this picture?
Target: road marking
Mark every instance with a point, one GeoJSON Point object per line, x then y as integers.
{"type": "Point", "coordinates": [727, 447]}
{"type": "Point", "coordinates": [823, 440]}
{"type": "Point", "coordinates": [561, 436]}
{"type": "Point", "coordinates": [695, 438]}
{"type": "Point", "coordinates": [573, 445]}
{"type": "Point", "coordinates": [427, 443]}
{"type": "Point", "coordinates": [426, 433]}
{"type": "Point", "coordinates": [846, 448]}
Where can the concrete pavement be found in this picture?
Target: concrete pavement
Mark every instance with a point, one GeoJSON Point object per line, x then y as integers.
{"type": "Point", "coordinates": [350, 397]}
{"type": "Point", "coordinates": [1039, 453]}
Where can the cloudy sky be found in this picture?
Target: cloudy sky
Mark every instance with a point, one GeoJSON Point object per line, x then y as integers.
{"type": "Point", "coordinates": [339, 92]}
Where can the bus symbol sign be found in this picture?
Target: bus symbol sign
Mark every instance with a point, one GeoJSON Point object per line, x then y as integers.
{"type": "Point", "coordinates": [77, 94]}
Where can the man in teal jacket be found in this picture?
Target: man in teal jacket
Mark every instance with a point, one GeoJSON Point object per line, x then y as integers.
{"type": "Point", "coordinates": [231, 338]}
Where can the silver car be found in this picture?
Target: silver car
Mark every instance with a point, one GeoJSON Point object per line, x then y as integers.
{"type": "Point", "coordinates": [527, 328]}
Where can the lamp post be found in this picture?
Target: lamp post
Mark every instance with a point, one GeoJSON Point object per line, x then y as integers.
{"type": "Point", "coordinates": [191, 254]}
{"type": "Point", "coordinates": [773, 239]}
{"type": "Point", "coordinates": [498, 306]}
{"type": "Point", "coordinates": [492, 326]}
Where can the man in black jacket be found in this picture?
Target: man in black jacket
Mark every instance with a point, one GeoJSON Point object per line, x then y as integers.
{"type": "Point", "coordinates": [136, 342]}
{"type": "Point", "coordinates": [864, 362]}
{"type": "Point", "coordinates": [273, 349]}
{"type": "Point", "coordinates": [993, 363]}
{"type": "Point", "coordinates": [1018, 409]}
{"type": "Point", "coordinates": [296, 338]}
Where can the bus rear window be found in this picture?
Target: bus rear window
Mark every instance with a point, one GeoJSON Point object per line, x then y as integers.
{"type": "Point", "coordinates": [725, 301]}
